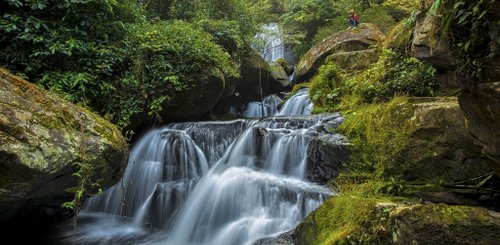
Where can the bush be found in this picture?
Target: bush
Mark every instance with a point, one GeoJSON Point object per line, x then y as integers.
{"type": "Point", "coordinates": [393, 75]}
{"type": "Point", "coordinates": [163, 64]}
{"type": "Point", "coordinates": [325, 88]}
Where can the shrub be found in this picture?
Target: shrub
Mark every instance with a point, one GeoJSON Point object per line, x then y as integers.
{"type": "Point", "coordinates": [326, 87]}
{"type": "Point", "coordinates": [393, 75]}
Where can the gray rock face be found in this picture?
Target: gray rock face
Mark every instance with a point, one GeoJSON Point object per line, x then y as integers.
{"type": "Point", "coordinates": [41, 137]}
{"type": "Point", "coordinates": [428, 45]}
{"type": "Point", "coordinates": [326, 154]}
{"type": "Point", "coordinates": [344, 41]}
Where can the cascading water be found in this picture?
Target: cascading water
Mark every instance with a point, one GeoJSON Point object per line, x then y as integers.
{"type": "Point", "coordinates": [259, 109]}
{"type": "Point", "coordinates": [298, 104]}
{"type": "Point", "coordinates": [212, 183]}
{"type": "Point", "coordinates": [271, 44]}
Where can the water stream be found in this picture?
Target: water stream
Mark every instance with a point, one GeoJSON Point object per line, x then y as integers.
{"type": "Point", "coordinates": [231, 182]}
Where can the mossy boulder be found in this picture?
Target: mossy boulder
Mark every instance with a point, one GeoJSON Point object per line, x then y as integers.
{"type": "Point", "coordinates": [41, 137]}
{"type": "Point", "coordinates": [420, 139]}
{"type": "Point", "coordinates": [358, 220]}
{"type": "Point", "coordinates": [279, 73]}
{"type": "Point", "coordinates": [345, 41]}
{"type": "Point", "coordinates": [288, 68]}
{"type": "Point", "coordinates": [354, 60]}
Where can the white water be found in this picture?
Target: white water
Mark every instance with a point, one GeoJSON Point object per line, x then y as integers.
{"type": "Point", "coordinates": [298, 104]}
{"type": "Point", "coordinates": [270, 42]}
{"type": "Point", "coordinates": [252, 186]}
{"type": "Point", "coordinates": [266, 109]}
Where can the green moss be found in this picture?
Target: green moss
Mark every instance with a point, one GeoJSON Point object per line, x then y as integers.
{"type": "Point", "coordinates": [283, 63]}
{"type": "Point", "coordinates": [336, 219]}
{"type": "Point", "coordinates": [378, 132]}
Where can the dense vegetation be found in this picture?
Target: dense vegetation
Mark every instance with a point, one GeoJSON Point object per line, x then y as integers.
{"type": "Point", "coordinates": [123, 58]}
{"type": "Point", "coordinates": [307, 22]}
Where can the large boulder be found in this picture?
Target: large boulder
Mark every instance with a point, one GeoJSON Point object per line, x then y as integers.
{"type": "Point", "coordinates": [344, 41]}
{"type": "Point", "coordinates": [428, 45]}
{"type": "Point", "coordinates": [325, 157]}
{"type": "Point", "coordinates": [481, 106]}
{"type": "Point", "coordinates": [440, 148]}
{"type": "Point", "coordinates": [354, 60]}
{"type": "Point", "coordinates": [197, 102]}
{"type": "Point", "coordinates": [41, 138]}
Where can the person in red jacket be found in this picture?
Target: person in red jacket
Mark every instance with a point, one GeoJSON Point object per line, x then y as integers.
{"type": "Point", "coordinates": [353, 19]}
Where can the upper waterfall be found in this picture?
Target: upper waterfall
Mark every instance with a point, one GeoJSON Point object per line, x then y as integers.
{"type": "Point", "coordinates": [270, 42]}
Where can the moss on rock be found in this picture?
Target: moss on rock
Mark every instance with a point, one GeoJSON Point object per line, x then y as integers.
{"type": "Point", "coordinates": [421, 139]}
{"type": "Point", "coordinates": [41, 136]}
{"type": "Point", "coordinates": [348, 219]}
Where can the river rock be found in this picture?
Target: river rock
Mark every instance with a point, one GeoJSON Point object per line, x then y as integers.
{"type": "Point", "coordinates": [41, 138]}
{"type": "Point", "coordinates": [344, 41]}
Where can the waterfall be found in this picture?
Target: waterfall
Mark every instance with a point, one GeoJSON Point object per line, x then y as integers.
{"type": "Point", "coordinates": [230, 182]}
{"type": "Point", "coordinates": [298, 104]}
{"type": "Point", "coordinates": [270, 107]}
{"type": "Point", "coordinates": [270, 42]}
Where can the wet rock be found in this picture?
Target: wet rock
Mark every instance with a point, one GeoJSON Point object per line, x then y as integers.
{"type": "Point", "coordinates": [325, 156]}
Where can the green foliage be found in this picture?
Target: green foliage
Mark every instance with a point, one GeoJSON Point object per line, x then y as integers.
{"type": "Point", "coordinates": [472, 28]}
{"type": "Point", "coordinates": [67, 35]}
{"type": "Point", "coordinates": [394, 186]}
{"type": "Point", "coordinates": [379, 16]}
{"type": "Point", "coordinates": [303, 19]}
{"type": "Point", "coordinates": [401, 36]}
{"type": "Point", "coordinates": [107, 56]}
{"type": "Point", "coordinates": [400, 9]}
{"type": "Point", "coordinates": [393, 75]}
{"type": "Point", "coordinates": [378, 133]}
{"type": "Point", "coordinates": [326, 87]}
{"type": "Point", "coordinates": [163, 64]}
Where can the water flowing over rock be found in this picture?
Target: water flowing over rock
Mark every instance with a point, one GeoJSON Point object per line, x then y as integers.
{"type": "Point", "coordinates": [298, 104]}
{"type": "Point", "coordinates": [259, 109]}
{"type": "Point", "coordinates": [217, 182]}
